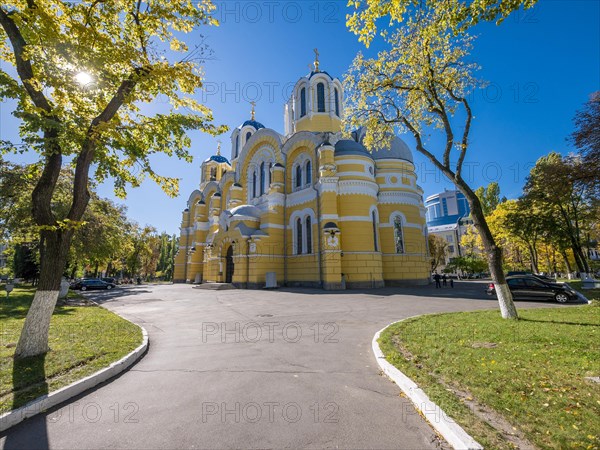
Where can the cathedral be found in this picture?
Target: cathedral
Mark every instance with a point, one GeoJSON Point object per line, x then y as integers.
{"type": "Point", "coordinates": [308, 207]}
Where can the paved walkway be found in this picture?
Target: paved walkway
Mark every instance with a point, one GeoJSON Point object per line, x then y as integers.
{"type": "Point", "coordinates": [252, 369]}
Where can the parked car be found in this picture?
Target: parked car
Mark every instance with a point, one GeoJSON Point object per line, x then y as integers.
{"type": "Point", "coordinates": [89, 284]}
{"type": "Point", "coordinates": [531, 287]}
{"type": "Point", "coordinates": [541, 277]}
{"type": "Point", "coordinates": [110, 280]}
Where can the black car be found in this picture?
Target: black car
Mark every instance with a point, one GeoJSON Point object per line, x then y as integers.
{"type": "Point", "coordinates": [530, 287]}
{"type": "Point", "coordinates": [541, 277]}
{"type": "Point", "coordinates": [84, 285]}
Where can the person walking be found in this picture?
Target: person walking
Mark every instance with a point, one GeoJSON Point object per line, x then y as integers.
{"type": "Point", "coordinates": [437, 278]}
{"type": "Point", "coordinates": [445, 280]}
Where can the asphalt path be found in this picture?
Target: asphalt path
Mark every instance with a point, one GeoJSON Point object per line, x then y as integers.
{"type": "Point", "coordinates": [252, 369]}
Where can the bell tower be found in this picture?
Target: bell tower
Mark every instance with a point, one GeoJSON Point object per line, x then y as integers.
{"type": "Point", "coordinates": [316, 103]}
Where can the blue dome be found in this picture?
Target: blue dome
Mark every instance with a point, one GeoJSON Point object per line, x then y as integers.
{"type": "Point", "coordinates": [350, 147]}
{"type": "Point", "coordinates": [313, 73]}
{"type": "Point", "coordinates": [253, 123]}
{"type": "Point", "coordinates": [217, 158]}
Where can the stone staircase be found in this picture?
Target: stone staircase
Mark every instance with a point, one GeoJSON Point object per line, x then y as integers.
{"type": "Point", "coordinates": [215, 286]}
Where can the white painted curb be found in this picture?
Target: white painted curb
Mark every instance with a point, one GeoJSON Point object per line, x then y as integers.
{"type": "Point", "coordinates": [52, 399]}
{"type": "Point", "coordinates": [444, 425]}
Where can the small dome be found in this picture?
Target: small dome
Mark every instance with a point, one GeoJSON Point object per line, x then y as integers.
{"type": "Point", "coordinates": [350, 147]}
{"type": "Point", "coordinates": [217, 158]}
{"type": "Point", "coordinates": [252, 123]}
{"type": "Point", "coordinates": [330, 226]}
{"type": "Point", "coordinates": [313, 73]}
{"type": "Point", "coordinates": [398, 150]}
{"type": "Point", "coordinates": [246, 210]}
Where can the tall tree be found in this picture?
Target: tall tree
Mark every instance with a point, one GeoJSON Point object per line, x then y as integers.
{"type": "Point", "coordinates": [437, 250]}
{"type": "Point", "coordinates": [83, 72]}
{"type": "Point", "coordinates": [419, 85]}
{"type": "Point", "coordinates": [489, 197]}
{"type": "Point", "coordinates": [552, 185]}
{"type": "Point", "coordinates": [586, 138]}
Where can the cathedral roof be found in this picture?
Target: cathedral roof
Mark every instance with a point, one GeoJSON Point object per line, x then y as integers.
{"type": "Point", "coordinates": [246, 210]}
{"type": "Point", "coordinates": [217, 158]}
{"type": "Point", "coordinates": [398, 150]}
{"type": "Point", "coordinates": [350, 147]}
{"type": "Point", "coordinates": [313, 73]}
{"type": "Point", "coordinates": [252, 123]}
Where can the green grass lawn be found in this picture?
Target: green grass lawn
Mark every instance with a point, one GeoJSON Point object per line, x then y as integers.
{"type": "Point", "coordinates": [83, 340]}
{"type": "Point", "coordinates": [531, 372]}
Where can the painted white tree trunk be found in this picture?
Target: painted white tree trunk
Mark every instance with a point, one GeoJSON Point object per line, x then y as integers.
{"type": "Point", "coordinates": [507, 307]}
{"type": "Point", "coordinates": [34, 337]}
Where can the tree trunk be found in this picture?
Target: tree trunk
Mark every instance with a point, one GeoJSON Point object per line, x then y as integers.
{"type": "Point", "coordinates": [54, 251]}
{"type": "Point", "coordinates": [534, 258]}
{"type": "Point", "coordinates": [493, 252]}
{"type": "Point", "coordinates": [567, 263]}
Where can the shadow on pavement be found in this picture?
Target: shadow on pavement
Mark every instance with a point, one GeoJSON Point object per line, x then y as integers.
{"type": "Point", "coordinates": [471, 290]}
{"type": "Point", "coordinates": [116, 293]}
{"type": "Point", "coordinates": [25, 372]}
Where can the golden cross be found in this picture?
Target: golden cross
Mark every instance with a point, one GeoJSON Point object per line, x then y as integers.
{"type": "Point", "coordinates": [316, 60]}
{"type": "Point", "coordinates": [218, 147]}
{"type": "Point", "coordinates": [253, 112]}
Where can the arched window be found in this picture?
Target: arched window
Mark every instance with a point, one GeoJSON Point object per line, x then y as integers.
{"type": "Point", "coordinates": [262, 178]}
{"type": "Point", "coordinates": [248, 134]}
{"type": "Point", "coordinates": [398, 235]}
{"type": "Point", "coordinates": [253, 184]}
{"type": "Point", "coordinates": [237, 145]}
{"type": "Point", "coordinates": [298, 176]}
{"type": "Point", "coordinates": [320, 97]}
{"type": "Point", "coordinates": [337, 102]}
{"type": "Point", "coordinates": [308, 235]}
{"type": "Point", "coordinates": [213, 173]}
{"type": "Point", "coordinates": [299, 236]}
{"type": "Point", "coordinates": [308, 172]}
{"type": "Point", "coordinates": [375, 244]}
{"type": "Point", "coordinates": [302, 102]}
{"type": "Point", "coordinates": [270, 173]}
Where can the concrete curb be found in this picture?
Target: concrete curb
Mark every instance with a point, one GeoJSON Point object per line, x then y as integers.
{"type": "Point", "coordinates": [437, 418]}
{"type": "Point", "coordinates": [52, 399]}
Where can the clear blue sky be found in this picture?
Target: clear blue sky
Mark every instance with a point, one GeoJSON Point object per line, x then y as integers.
{"type": "Point", "coordinates": [541, 66]}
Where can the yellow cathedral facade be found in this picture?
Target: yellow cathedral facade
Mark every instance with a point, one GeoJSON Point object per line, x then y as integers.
{"type": "Point", "coordinates": [307, 207]}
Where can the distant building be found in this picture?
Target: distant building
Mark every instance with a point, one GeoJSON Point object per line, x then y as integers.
{"type": "Point", "coordinates": [447, 215]}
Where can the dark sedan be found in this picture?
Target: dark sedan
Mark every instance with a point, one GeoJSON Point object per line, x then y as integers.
{"type": "Point", "coordinates": [85, 285]}
{"type": "Point", "coordinates": [528, 287]}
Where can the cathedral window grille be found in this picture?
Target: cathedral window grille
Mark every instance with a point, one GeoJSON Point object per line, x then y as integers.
{"type": "Point", "coordinates": [337, 103]}
{"type": "Point", "coordinates": [299, 236]}
{"type": "Point", "coordinates": [308, 235]}
{"type": "Point", "coordinates": [374, 219]}
{"type": "Point", "coordinates": [262, 178]}
{"type": "Point", "coordinates": [320, 97]}
{"type": "Point", "coordinates": [253, 184]}
{"type": "Point", "coordinates": [298, 182]}
{"type": "Point", "coordinates": [398, 235]}
{"type": "Point", "coordinates": [302, 102]}
{"type": "Point", "coordinates": [248, 134]}
{"type": "Point", "coordinates": [308, 172]}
